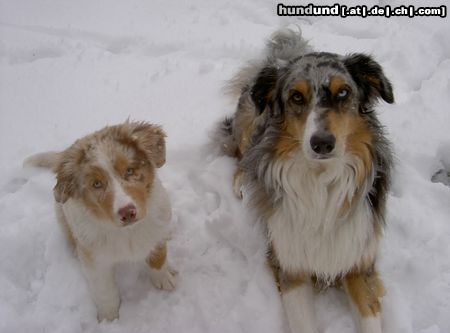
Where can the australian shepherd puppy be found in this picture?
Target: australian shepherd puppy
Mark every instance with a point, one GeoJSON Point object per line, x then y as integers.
{"type": "Point", "coordinates": [112, 206]}
{"type": "Point", "coordinates": [315, 165]}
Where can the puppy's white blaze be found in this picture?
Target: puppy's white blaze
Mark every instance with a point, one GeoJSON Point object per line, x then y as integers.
{"type": "Point", "coordinates": [299, 307]}
{"type": "Point", "coordinates": [121, 198]}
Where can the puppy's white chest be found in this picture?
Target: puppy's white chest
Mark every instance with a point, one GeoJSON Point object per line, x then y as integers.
{"type": "Point", "coordinates": [129, 245]}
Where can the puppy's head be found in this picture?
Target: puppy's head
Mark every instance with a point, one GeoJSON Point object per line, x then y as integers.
{"type": "Point", "coordinates": [321, 102]}
{"type": "Point", "coordinates": [111, 172]}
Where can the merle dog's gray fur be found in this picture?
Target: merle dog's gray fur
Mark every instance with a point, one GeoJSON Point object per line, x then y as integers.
{"type": "Point", "coordinates": [282, 47]}
{"type": "Point", "coordinates": [288, 58]}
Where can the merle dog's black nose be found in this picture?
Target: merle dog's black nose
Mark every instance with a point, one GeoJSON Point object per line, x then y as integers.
{"type": "Point", "coordinates": [322, 142]}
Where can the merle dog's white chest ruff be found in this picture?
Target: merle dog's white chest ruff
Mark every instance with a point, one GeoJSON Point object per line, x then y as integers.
{"type": "Point", "coordinates": [305, 228]}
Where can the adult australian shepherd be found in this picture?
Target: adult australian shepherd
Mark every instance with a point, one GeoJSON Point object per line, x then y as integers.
{"type": "Point", "coordinates": [112, 206]}
{"type": "Point", "coordinates": [315, 165]}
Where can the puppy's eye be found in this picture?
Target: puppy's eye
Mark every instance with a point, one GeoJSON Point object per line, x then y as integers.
{"type": "Point", "coordinates": [129, 172]}
{"type": "Point", "coordinates": [97, 184]}
{"type": "Point", "coordinates": [343, 93]}
{"type": "Point", "coordinates": [297, 97]}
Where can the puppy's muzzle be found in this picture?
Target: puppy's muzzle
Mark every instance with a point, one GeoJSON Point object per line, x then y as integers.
{"type": "Point", "coordinates": [128, 214]}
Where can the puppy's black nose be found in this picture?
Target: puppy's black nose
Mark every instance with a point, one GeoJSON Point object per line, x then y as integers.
{"type": "Point", "coordinates": [322, 142]}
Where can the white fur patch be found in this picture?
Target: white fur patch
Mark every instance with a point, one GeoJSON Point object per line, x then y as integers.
{"type": "Point", "coordinates": [310, 129]}
{"type": "Point", "coordinates": [370, 325]}
{"type": "Point", "coordinates": [164, 278]}
{"type": "Point", "coordinates": [305, 229]}
{"type": "Point", "coordinates": [104, 291]}
{"type": "Point", "coordinates": [299, 307]}
{"type": "Point", "coordinates": [121, 199]}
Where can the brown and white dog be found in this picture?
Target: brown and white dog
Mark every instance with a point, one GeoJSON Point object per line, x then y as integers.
{"type": "Point", "coordinates": [112, 206]}
{"type": "Point", "coordinates": [315, 165]}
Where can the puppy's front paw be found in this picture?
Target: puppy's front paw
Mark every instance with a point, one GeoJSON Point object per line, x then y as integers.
{"type": "Point", "coordinates": [108, 313]}
{"type": "Point", "coordinates": [165, 278]}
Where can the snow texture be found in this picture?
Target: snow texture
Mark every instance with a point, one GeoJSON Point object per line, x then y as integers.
{"type": "Point", "coordinates": [68, 68]}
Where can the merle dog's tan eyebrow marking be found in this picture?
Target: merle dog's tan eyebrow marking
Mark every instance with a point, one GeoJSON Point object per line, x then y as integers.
{"type": "Point", "coordinates": [304, 88]}
{"type": "Point", "coordinates": [335, 84]}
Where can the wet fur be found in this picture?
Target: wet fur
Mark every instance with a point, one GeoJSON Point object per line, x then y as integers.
{"type": "Point", "coordinates": [324, 217]}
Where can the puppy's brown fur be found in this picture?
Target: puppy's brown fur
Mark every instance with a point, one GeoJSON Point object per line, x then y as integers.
{"type": "Point", "coordinates": [112, 206]}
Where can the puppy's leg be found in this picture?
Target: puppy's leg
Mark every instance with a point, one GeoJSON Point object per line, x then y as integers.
{"type": "Point", "coordinates": [298, 301]}
{"type": "Point", "coordinates": [102, 287]}
{"type": "Point", "coordinates": [364, 291]}
{"type": "Point", "coordinates": [162, 275]}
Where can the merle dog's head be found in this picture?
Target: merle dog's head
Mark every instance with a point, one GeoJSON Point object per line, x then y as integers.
{"type": "Point", "coordinates": [322, 103]}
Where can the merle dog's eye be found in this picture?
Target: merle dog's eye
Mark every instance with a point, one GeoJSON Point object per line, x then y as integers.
{"type": "Point", "coordinates": [97, 184]}
{"type": "Point", "coordinates": [297, 97]}
{"type": "Point", "coordinates": [343, 93]}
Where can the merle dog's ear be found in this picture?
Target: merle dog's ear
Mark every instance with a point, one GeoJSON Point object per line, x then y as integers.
{"type": "Point", "coordinates": [263, 88]}
{"type": "Point", "coordinates": [369, 77]}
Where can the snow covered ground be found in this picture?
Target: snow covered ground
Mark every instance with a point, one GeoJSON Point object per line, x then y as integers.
{"type": "Point", "coordinates": [68, 68]}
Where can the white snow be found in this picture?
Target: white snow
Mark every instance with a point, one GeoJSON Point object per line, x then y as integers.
{"type": "Point", "coordinates": [68, 68]}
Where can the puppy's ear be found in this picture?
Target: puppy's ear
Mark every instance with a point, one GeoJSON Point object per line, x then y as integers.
{"type": "Point", "coordinates": [369, 77]}
{"type": "Point", "coordinates": [151, 139]}
{"type": "Point", "coordinates": [65, 182]}
{"type": "Point", "coordinates": [263, 89]}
